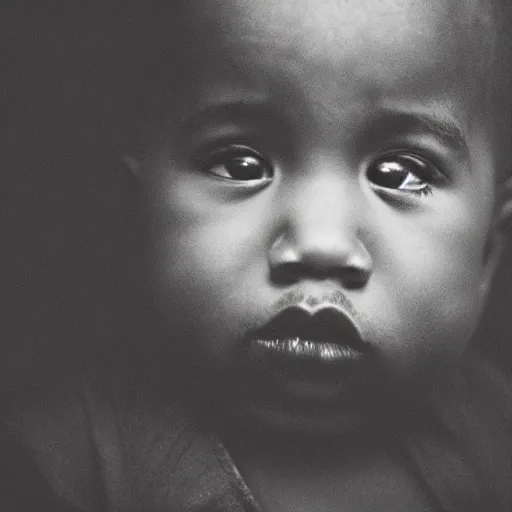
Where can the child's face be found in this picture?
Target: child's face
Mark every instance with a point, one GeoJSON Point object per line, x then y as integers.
{"type": "Point", "coordinates": [334, 157]}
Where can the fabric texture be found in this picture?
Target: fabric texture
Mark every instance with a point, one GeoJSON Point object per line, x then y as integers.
{"type": "Point", "coordinates": [121, 448]}
{"type": "Point", "coordinates": [90, 452]}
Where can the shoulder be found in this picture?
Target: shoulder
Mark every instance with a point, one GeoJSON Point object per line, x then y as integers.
{"type": "Point", "coordinates": [465, 451]}
{"type": "Point", "coordinates": [49, 444]}
{"type": "Point", "coordinates": [22, 486]}
{"type": "Point", "coordinates": [111, 445]}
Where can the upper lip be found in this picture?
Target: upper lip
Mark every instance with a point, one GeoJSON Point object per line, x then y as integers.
{"type": "Point", "coordinates": [326, 325]}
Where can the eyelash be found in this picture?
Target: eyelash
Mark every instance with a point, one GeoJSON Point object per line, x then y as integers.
{"type": "Point", "coordinates": [221, 155]}
{"type": "Point", "coordinates": [427, 191]}
{"type": "Point", "coordinates": [423, 168]}
{"type": "Point", "coordinates": [430, 175]}
{"type": "Point", "coordinates": [232, 149]}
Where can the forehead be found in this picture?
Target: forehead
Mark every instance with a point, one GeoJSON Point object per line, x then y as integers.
{"type": "Point", "coordinates": [385, 46]}
{"type": "Point", "coordinates": [321, 27]}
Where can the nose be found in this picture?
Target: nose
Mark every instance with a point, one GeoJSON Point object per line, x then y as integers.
{"type": "Point", "coordinates": [320, 235]}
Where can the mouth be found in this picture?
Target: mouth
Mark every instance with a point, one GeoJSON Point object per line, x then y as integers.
{"type": "Point", "coordinates": [317, 358]}
{"type": "Point", "coordinates": [328, 336]}
{"type": "Point", "coordinates": [308, 349]}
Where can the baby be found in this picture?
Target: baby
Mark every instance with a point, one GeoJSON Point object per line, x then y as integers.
{"type": "Point", "coordinates": [323, 193]}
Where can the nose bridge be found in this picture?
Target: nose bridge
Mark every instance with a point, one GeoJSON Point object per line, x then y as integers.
{"type": "Point", "coordinates": [320, 235]}
{"type": "Point", "coordinates": [324, 209]}
{"type": "Point", "coordinates": [320, 227]}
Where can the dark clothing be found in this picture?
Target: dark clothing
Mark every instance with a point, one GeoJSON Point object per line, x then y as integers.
{"type": "Point", "coordinates": [99, 454]}
{"type": "Point", "coordinates": [130, 451]}
{"type": "Point", "coordinates": [22, 486]}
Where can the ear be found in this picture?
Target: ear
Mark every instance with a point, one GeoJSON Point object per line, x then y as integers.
{"type": "Point", "coordinates": [501, 230]}
{"type": "Point", "coordinates": [132, 165]}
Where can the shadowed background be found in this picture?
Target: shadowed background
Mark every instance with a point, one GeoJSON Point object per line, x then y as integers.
{"type": "Point", "coordinates": [70, 92]}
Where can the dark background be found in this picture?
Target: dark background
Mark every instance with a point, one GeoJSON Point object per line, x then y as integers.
{"type": "Point", "coordinates": [70, 95]}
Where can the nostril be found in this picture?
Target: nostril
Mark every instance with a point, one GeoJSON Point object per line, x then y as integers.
{"type": "Point", "coordinates": [300, 255]}
{"type": "Point", "coordinates": [355, 277]}
{"type": "Point", "coordinates": [287, 273]}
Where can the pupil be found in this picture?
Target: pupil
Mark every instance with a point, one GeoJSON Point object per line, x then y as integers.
{"type": "Point", "coordinates": [247, 168]}
{"type": "Point", "coordinates": [388, 174]}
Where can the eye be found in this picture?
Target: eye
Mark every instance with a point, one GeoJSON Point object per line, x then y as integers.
{"type": "Point", "coordinates": [238, 163]}
{"type": "Point", "coordinates": [403, 172]}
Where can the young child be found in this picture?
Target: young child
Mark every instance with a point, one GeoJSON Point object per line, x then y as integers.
{"type": "Point", "coordinates": [324, 192]}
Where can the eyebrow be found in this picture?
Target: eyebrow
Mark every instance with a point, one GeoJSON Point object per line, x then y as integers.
{"type": "Point", "coordinates": [227, 112]}
{"type": "Point", "coordinates": [444, 128]}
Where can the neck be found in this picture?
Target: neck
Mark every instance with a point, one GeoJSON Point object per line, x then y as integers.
{"type": "Point", "coordinates": [291, 449]}
{"type": "Point", "coordinates": [355, 471]}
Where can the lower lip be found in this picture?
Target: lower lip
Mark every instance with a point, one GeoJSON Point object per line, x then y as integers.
{"type": "Point", "coordinates": [314, 372]}
{"type": "Point", "coordinates": [308, 350]}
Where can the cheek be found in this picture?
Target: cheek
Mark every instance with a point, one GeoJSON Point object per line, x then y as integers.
{"type": "Point", "coordinates": [433, 288]}
{"type": "Point", "coordinates": [210, 257]}
{"type": "Point", "coordinates": [205, 261]}
{"type": "Point", "coordinates": [211, 242]}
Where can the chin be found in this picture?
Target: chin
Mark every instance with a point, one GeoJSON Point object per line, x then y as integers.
{"type": "Point", "coordinates": [311, 422]}
{"type": "Point", "coordinates": [312, 425]}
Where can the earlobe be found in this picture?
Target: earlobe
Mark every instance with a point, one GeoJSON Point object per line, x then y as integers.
{"type": "Point", "coordinates": [131, 165]}
{"type": "Point", "coordinates": [504, 213]}
{"type": "Point", "coordinates": [500, 232]}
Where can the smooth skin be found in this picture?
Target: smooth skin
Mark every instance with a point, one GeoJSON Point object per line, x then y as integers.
{"type": "Point", "coordinates": [325, 148]}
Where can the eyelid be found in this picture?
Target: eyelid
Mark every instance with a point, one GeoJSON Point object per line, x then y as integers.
{"type": "Point", "coordinates": [200, 152]}
{"type": "Point", "coordinates": [220, 153]}
{"type": "Point", "coordinates": [437, 127]}
{"type": "Point", "coordinates": [424, 172]}
{"type": "Point", "coordinates": [234, 148]}
{"type": "Point", "coordinates": [231, 149]}
{"type": "Point", "coordinates": [437, 174]}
